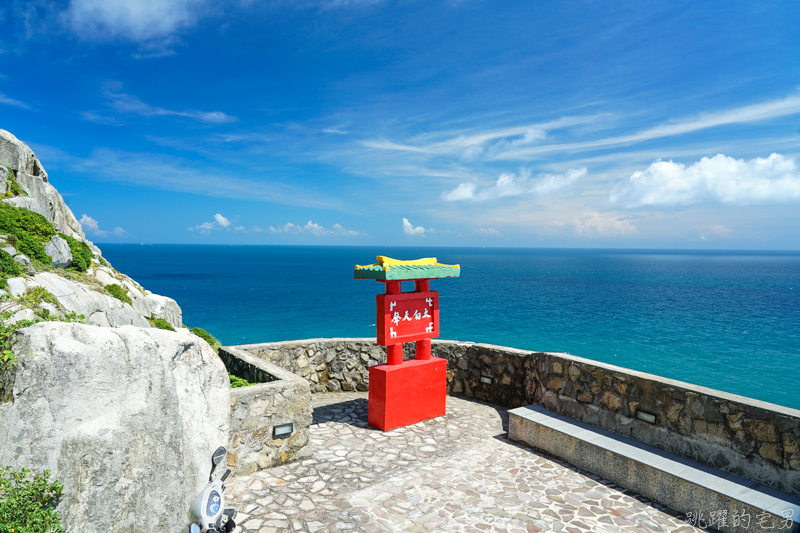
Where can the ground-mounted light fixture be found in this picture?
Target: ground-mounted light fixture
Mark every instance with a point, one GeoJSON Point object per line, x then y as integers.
{"type": "Point", "coordinates": [486, 379]}
{"type": "Point", "coordinates": [282, 430]}
{"type": "Point", "coordinates": [646, 417]}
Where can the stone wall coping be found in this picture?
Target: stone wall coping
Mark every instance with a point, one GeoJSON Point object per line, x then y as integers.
{"type": "Point", "coordinates": [284, 377]}
{"type": "Point", "coordinates": [374, 340]}
{"type": "Point", "coordinates": [689, 387]}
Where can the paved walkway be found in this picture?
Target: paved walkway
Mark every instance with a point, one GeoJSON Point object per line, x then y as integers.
{"type": "Point", "coordinates": [456, 473]}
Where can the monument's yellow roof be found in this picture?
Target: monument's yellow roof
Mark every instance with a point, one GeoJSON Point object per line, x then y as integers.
{"type": "Point", "coordinates": [394, 269]}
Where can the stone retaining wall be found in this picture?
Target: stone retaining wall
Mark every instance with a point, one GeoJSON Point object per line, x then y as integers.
{"type": "Point", "coordinates": [752, 439]}
{"type": "Point", "coordinates": [756, 440]}
{"type": "Point", "coordinates": [332, 365]}
{"type": "Point", "coordinates": [257, 409]}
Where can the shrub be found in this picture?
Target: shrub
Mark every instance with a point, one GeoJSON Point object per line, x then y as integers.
{"type": "Point", "coordinates": [81, 254]}
{"type": "Point", "coordinates": [32, 248]}
{"type": "Point", "coordinates": [237, 381]}
{"type": "Point", "coordinates": [104, 262]}
{"type": "Point", "coordinates": [28, 505]}
{"type": "Point", "coordinates": [20, 221]}
{"type": "Point", "coordinates": [9, 267]}
{"type": "Point", "coordinates": [35, 295]}
{"type": "Point", "coordinates": [160, 323]}
{"type": "Point", "coordinates": [118, 292]}
{"type": "Point", "coordinates": [208, 337]}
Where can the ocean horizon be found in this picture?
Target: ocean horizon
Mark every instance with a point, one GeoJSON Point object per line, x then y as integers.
{"type": "Point", "coordinates": [724, 319]}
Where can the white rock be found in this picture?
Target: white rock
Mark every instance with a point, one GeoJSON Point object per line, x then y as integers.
{"type": "Point", "coordinates": [100, 309]}
{"type": "Point", "coordinates": [125, 418]}
{"type": "Point", "coordinates": [22, 314]}
{"type": "Point", "coordinates": [10, 250]}
{"type": "Point", "coordinates": [166, 308]}
{"type": "Point", "coordinates": [23, 260]}
{"type": "Point", "coordinates": [17, 155]}
{"type": "Point", "coordinates": [59, 252]}
{"type": "Point", "coordinates": [17, 286]}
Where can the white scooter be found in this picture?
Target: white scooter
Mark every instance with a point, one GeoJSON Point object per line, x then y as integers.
{"type": "Point", "coordinates": [208, 513]}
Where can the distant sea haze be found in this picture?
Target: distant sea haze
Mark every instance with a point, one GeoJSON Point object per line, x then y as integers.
{"type": "Point", "coordinates": [725, 320]}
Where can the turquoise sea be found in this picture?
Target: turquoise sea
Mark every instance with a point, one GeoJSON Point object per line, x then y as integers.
{"type": "Point", "coordinates": [725, 320]}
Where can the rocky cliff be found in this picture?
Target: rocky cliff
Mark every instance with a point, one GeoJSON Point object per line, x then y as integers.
{"type": "Point", "coordinates": [24, 184]}
{"type": "Point", "coordinates": [124, 415]}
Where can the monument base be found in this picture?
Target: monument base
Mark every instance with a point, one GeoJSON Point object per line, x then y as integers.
{"type": "Point", "coordinates": [401, 395]}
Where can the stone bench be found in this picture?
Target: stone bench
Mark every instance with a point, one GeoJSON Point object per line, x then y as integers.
{"type": "Point", "coordinates": [680, 484]}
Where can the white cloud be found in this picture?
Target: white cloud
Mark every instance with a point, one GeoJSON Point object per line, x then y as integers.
{"type": "Point", "coordinates": [487, 144]}
{"type": "Point", "coordinates": [131, 105]}
{"type": "Point", "coordinates": [409, 229]}
{"type": "Point", "coordinates": [134, 20]}
{"type": "Point", "coordinates": [509, 184]}
{"type": "Point", "coordinates": [491, 232]}
{"type": "Point", "coordinates": [741, 115]}
{"type": "Point", "coordinates": [523, 143]}
{"type": "Point", "coordinates": [310, 228]}
{"type": "Point", "coordinates": [5, 100]}
{"type": "Point", "coordinates": [220, 222]}
{"type": "Point", "coordinates": [597, 225]}
{"type": "Point", "coordinates": [119, 232]}
{"type": "Point", "coordinates": [719, 179]}
{"type": "Point", "coordinates": [90, 225]}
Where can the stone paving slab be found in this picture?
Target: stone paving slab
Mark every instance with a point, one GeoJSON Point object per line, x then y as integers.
{"type": "Point", "coordinates": [456, 473]}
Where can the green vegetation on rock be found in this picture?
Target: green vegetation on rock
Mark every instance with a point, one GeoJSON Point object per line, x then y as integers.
{"type": "Point", "coordinates": [81, 254]}
{"type": "Point", "coordinates": [104, 262]}
{"type": "Point", "coordinates": [8, 267]}
{"type": "Point", "coordinates": [27, 231]}
{"type": "Point", "coordinates": [118, 292]}
{"type": "Point", "coordinates": [208, 337]}
{"type": "Point", "coordinates": [27, 505]}
{"type": "Point", "coordinates": [14, 189]}
{"type": "Point", "coordinates": [160, 323]}
{"type": "Point", "coordinates": [238, 382]}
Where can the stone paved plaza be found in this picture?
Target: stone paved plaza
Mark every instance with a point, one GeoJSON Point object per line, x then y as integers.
{"type": "Point", "coordinates": [456, 473]}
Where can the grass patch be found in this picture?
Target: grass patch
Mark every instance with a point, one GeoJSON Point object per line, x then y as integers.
{"type": "Point", "coordinates": [104, 262]}
{"type": "Point", "coordinates": [8, 267]}
{"type": "Point", "coordinates": [81, 254]}
{"type": "Point", "coordinates": [160, 323]}
{"type": "Point", "coordinates": [208, 337]}
{"type": "Point", "coordinates": [27, 505]}
{"type": "Point", "coordinates": [118, 292]}
{"type": "Point", "coordinates": [27, 231]}
{"type": "Point", "coordinates": [237, 382]}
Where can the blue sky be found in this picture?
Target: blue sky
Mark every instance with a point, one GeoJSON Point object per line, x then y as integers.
{"type": "Point", "coordinates": [437, 123]}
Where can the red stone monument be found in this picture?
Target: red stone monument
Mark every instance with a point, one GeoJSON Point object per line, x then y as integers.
{"type": "Point", "coordinates": [406, 392]}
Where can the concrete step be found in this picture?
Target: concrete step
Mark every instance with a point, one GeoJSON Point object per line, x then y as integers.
{"type": "Point", "coordinates": [680, 484]}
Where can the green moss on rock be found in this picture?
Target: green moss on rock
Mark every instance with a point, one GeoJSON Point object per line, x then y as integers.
{"type": "Point", "coordinates": [160, 323]}
{"type": "Point", "coordinates": [118, 292]}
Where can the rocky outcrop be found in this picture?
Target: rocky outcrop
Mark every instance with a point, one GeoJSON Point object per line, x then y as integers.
{"type": "Point", "coordinates": [41, 197]}
{"type": "Point", "coordinates": [125, 418]}
{"type": "Point", "coordinates": [98, 308]}
{"type": "Point", "coordinates": [59, 252]}
{"type": "Point", "coordinates": [17, 155]}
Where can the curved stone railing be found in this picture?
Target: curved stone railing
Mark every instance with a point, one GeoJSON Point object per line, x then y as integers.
{"type": "Point", "coordinates": [753, 439]}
